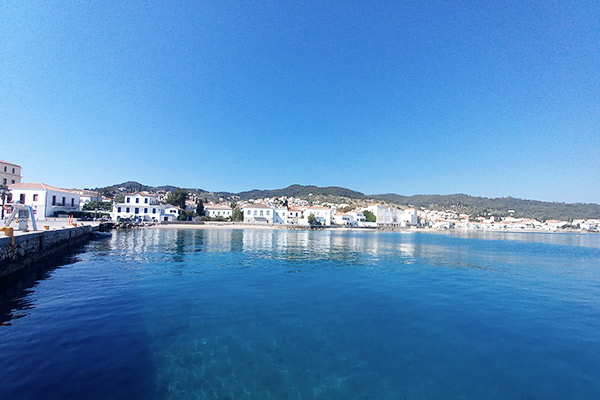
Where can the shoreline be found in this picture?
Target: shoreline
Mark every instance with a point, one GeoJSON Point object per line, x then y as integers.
{"type": "Point", "coordinates": [236, 226]}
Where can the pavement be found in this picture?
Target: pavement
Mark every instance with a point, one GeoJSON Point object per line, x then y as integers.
{"type": "Point", "coordinates": [53, 224]}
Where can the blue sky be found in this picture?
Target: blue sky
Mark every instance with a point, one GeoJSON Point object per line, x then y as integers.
{"type": "Point", "coordinates": [405, 97]}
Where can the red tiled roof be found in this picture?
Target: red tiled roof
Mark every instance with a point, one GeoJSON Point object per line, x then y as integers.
{"type": "Point", "coordinates": [9, 163]}
{"type": "Point", "coordinates": [37, 186]}
{"type": "Point", "coordinates": [257, 206]}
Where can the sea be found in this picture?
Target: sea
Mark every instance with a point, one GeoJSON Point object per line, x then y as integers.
{"type": "Point", "coordinates": [276, 314]}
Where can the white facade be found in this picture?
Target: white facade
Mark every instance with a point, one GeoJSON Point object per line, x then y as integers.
{"type": "Point", "coordinates": [214, 211]}
{"type": "Point", "coordinates": [295, 215]}
{"type": "Point", "coordinates": [143, 206]}
{"type": "Point", "coordinates": [344, 219]}
{"type": "Point", "coordinates": [44, 199]}
{"type": "Point", "coordinates": [9, 173]}
{"type": "Point", "coordinates": [323, 215]}
{"type": "Point", "coordinates": [280, 215]}
{"type": "Point", "coordinates": [258, 213]}
{"type": "Point", "coordinates": [393, 216]}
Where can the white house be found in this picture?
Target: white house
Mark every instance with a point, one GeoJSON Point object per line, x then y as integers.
{"type": "Point", "coordinates": [295, 215]}
{"type": "Point", "coordinates": [85, 196]}
{"type": "Point", "coordinates": [393, 216]}
{"type": "Point", "coordinates": [357, 215]}
{"type": "Point", "coordinates": [344, 219]}
{"type": "Point", "coordinates": [44, 199]}
{"type": "Point", "coordinates": [324, 215]}
{"type": "Point", "coordinates": [143, 206]}
{"type": "Point", "coordinates": [260, 213]}
{"type": "Point", "coordinates": [217, 210]}
{"type": "Point", "coordinates": [280, 215]}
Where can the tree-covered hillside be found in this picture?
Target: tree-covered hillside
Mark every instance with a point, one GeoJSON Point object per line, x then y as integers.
{"type": "Point", "coordinates": [302, 191]}
{"type": "Point", "coordinates": [460, 203]}
{"type": "Point", "coordinates": [463, 203]}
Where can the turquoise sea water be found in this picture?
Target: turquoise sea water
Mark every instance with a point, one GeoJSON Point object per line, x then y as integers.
{"type": "Point", "coordinates": [259, 314]}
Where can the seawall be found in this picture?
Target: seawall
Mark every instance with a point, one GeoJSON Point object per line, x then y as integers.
{"type": "Point", "coordinates": [19, 252]}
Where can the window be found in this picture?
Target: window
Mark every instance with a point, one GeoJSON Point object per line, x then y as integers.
{"type": "Point", "coordinates": [137, 199]}
{"type": "Point", "coordinates": [35, 197]}
{"type": "Point", "coordinates": [72, 202]}
{"type": "Point", "coordinates": [5, 168]}
{"type": "Point", "coordinates": [127, 209]}
{"type": "Point", "coordinates": [154, 211]}
{"type": "Point", "coordinates": [268, 212]}
{"type": "Point", "coordinates": [145, 211]}
{"type": "Point", "coordinates": [13, 170]}
{"type": "Point", "coordinates": [64, 201]}
{"type": "Point", "coordinates": [248, 212]}
{"type": "Point", "coordinates": [53, 200]}
{"type": "Point", "coordinates": [118, 209]}
{"type": "Point", "coordinates": [146, 201]}
{"type": "Point", "coordinates": [261, 213]}
{"type": "Point", "coordinates": [129, 198]}
{"type": "Point", "coordinates": [22, 198]}
{"type": "Point", "coordinates": [137, 210]}
{"type": "Point", "coordinates": [255, 213]}
{"type": "Point", "coordinates": [12, 181]}
{"type": "Point", "coordinates": [4, 181]}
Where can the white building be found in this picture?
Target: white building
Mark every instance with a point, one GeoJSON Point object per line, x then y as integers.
{"type": "Point", "coordinates": [258, 213]}
{"type": "Point", "coordinates": [217, 210]}
{"type": "Point", "coordinates": [389, 216]}
{"type": "Point", "coordinates": [295, 215]}
{"type": "Point", "coordinates": [280, 215]}
{"type": "Point", "coordinates": [324, 215]}
{"type": "Point", "coordinates": [85, 196]}
{"type": "Point", "coordinates": [45, 200]}
{"type": "Point", "coordinates": [344, 219]}
{"type": "Point", "coordinates": [9, 173]}
{"type": "Point", "coordinates": [143, 206]}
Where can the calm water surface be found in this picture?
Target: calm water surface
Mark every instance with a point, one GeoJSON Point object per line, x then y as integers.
{"type": "Point", "coordinates": [253, 314]}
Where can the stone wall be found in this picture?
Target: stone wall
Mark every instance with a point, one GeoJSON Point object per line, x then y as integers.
{"type": "Point", "coordinates": [22, 251]}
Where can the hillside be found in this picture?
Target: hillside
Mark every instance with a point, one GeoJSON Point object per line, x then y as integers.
{"type": "Point", "coordinates": [460, 203]}
{"type": "Point", "coordinates": [302, 191]}
{"type": "Point", "coordinates": [471, 205]}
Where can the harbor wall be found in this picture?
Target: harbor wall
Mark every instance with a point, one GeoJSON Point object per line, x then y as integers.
{"type": "Point", "coordinates": [19, 252]}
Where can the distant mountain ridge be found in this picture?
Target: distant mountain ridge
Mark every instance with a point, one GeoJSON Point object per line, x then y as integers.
{"type": "Point", "coordinates": [460, 203]}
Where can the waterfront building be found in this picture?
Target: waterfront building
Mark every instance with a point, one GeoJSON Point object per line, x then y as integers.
{"type": "Point", "coordinates": [145, 207]}
{"type": "Point", "coordinates": [85, 196]}
{"type": "Point", "coordinates": [344, 219]}
{"type": "Point", "coordinates": [280, 215]}
{"type": "Point", "coordinates": [260, 213]}
{"type": "Point", "coordinates": [217, 210]}
{"type": "Point", "coordinates": [45, 200]}
{"type": "Point", "coordinates": [295, 215]}
{"type": "Point", "coordinates": [324, 215]}
{"type": "Point", "coordinates": [390, 216]}
{"type": "Point", "coordinates": [9, 173]}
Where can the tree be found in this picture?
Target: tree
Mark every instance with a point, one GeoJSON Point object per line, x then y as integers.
{"type": "Point", "coordinates": [369, 216]}
{"type": "Point", "coordinates": [312, 220]}
{"type": "Point", "coordinates": [100, 205]}
{"type": "Point", "coordinates": [200, 209]}
{"type": "Point", "coordinates": [178, 198]}
{"type": "Point", "coordinates": [185, 215]}
{"type": "Point", "coordinates": [237, 215]}
{"type": "Point", "coordinates": [120, 198]}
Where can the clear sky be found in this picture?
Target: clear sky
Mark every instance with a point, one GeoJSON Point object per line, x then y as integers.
{"type": "Point", "coordinates": [490, 99]}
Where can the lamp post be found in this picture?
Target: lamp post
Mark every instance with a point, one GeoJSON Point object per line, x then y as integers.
{"type": "Point", "coordinates": [3, 192]}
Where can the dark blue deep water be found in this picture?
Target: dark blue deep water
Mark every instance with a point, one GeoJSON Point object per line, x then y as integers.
{"type": "Point", "coordinates": [260, 314]}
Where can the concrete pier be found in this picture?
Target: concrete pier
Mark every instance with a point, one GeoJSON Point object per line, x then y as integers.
{"type": "Point", "coordinates": [21, 251]}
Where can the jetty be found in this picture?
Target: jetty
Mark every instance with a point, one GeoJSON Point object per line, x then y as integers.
{"type": "Point", "coordinates": [20, 250]}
